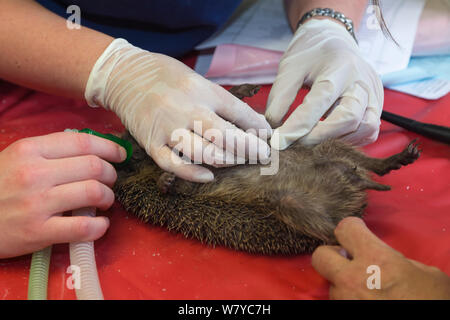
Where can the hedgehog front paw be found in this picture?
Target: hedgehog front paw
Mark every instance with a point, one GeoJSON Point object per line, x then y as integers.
{"type": "Point", "coordinates": [165, 182]}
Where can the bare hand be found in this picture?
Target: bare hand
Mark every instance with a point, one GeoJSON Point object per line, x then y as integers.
{"type": "Point", "coordinates": [400, 278]}
{"type": "Point", "coordinates": [42, 177]}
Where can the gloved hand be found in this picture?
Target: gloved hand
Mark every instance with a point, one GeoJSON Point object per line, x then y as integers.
{"type": "Point", "coordinates": [156, 97]}
{"type": "Point", "coordinates": [344, 88]}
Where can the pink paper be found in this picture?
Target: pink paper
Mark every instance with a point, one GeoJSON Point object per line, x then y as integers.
{"type": "Point", "coordinates": [433, 32]}
{"type": "Point", "coordinates": [237, 60]}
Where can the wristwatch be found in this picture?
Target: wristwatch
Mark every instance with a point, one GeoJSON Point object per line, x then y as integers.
{"type": "Point", "coordinates": [327, 12]}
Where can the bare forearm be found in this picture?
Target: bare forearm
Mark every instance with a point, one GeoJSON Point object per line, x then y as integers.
{"type": "Point", "coordinates": [40, 52]}
{"type": "Point", "coordinates": [353, 9]}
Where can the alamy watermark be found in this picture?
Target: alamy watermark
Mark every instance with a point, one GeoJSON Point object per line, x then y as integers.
{"type": "Point", "coordinates": [74, 20]}
{"type": "Point", "coordinates": [374, 280]}
{"type": "Point", "coordinates": [74, 280]}
{"type": "Point", "coordinates": [372, 22]}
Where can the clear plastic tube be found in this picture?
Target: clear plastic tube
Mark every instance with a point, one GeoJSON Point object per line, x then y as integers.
{"type": "Point", "coordinates": [82, 257]}
{"type": "Point", "coordinates": [38, 278]}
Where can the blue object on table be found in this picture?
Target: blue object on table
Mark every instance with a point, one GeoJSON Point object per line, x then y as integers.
{"type": "Point", "coordinates": [172, 27]}
{"type": "Point", "coordinates": [420, 69]}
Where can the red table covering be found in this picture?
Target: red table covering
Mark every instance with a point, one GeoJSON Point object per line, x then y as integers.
{"type": "Point", "coordinates": [140, 261]}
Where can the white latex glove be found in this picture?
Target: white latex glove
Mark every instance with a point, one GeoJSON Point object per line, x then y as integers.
{"type": "Point", "coordinates": [344, 88]}
{"type": "Point", "coordinates": [154, 95]}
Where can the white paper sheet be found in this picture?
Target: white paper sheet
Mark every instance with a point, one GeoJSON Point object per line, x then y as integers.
{"type": "Point", "coordinates": [431, 89]}
{"type": "Point", "coordinates": [257, 23]}
{"type": "Point", "coordinates": [263, 24]}
{"type": "Point", "coordinates": [402, 18]}
{"type": "Point", "coordinates": [425, 77]}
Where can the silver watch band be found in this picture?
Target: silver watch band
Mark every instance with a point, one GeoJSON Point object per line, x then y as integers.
{"type": "Point", "coordinates": [327, 12]}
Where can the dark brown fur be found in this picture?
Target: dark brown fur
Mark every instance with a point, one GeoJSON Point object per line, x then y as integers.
{"type": "Point", "coordinates": [291, 212]}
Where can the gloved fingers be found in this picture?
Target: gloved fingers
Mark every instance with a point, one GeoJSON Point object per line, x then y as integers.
{"type": "Point", "coordinates": [345, 118]}
{"type": "Point", "coordinates": [332, 108]}
{"type": "Point", "coordinates": [169, 161]}
{"type": "Point", "coordinates": [321, 97]}
{"type": "Point", "coordinates": [200, 150]}
{"type": "Point", "coordinates": [368, 129]}
{"type": "Point", "coordinates": [376, 93]}
{"type": "Point", "coordinates": [282, 95]}
{"type": "Point", "coordinates": [239, 113]}
{"type": "Point", "coordinates": [227, 136]}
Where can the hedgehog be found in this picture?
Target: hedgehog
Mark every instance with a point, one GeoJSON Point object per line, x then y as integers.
{"type": "Point", "coordinates": [290, 212]}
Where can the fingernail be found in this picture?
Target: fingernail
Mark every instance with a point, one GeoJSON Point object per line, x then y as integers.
{"type": "Point", "coordinates": [229, 158]}
{"type": "Point", "coordinates": [106, 221]}
{"type": "Point", "coordinates": [207, 176]}
{"type": "Point", "coordinates": [96, 229]}
{"type": "Point", "coordinates": [123, 154]}
{"type": "Point", "coordinates": [275, 140]}
{"type": "Point", "coordinates": [258, 149]}
{"type": "Point", "coordinates": [343, 253]}
{"type": "Point", "coordinates": [264, 151]}
{"type": "Point", "coordinates": [218, 157]}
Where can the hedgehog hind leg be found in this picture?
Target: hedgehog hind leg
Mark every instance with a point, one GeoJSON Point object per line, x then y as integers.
{"type": "Point", "coordinates": [383, 166]}
{"type": "Point", "coordinates": [339, 149]}
{"type": "Point", "coordinates": [304, 215]}
{"type": "Point", "coordinates": [410, 154]}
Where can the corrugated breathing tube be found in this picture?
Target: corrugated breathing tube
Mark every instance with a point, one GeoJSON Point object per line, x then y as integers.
{"type": "Point", "coordinates": [38, 279]}
{"type": "Point", "coordinates": [82, 257]}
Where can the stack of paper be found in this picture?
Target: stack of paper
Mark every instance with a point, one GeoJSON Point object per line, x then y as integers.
{"type": "Point", "coordinates": [250, 46]}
